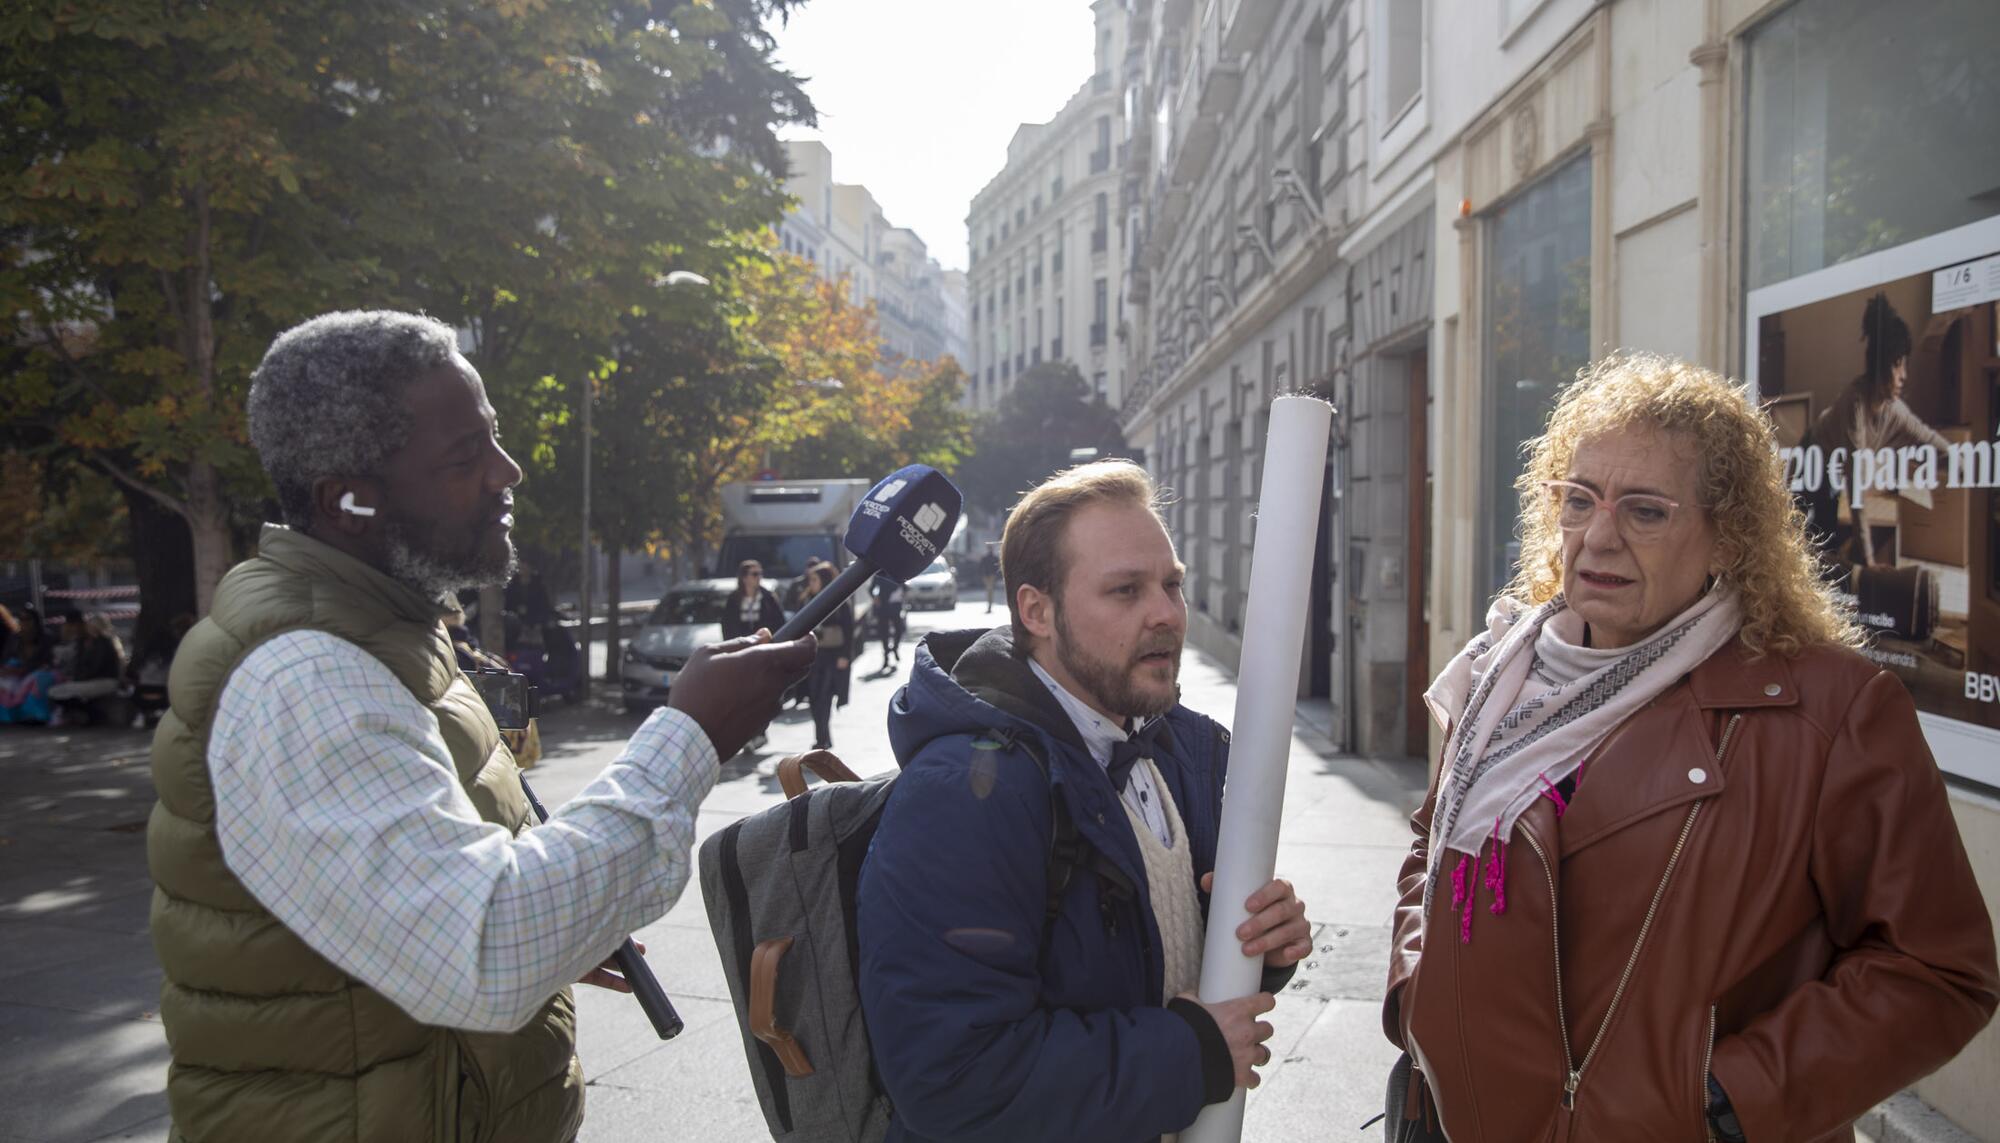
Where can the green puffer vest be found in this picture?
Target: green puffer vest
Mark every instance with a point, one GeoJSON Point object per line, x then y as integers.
{"type": "Point", "coordinates": [270, 1041]}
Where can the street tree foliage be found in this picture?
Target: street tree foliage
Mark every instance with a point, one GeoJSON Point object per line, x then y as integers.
{"type": "Point", "coordinates": [66, 513]}
{"type": "Point", "coordinates": [181, 181]}
{"type": "Point", "coordinates": [814, 397]}
{"type": "Point", "coordinates": [1049, 412]}
{"type": "Point", "coordinates": [770, 367]}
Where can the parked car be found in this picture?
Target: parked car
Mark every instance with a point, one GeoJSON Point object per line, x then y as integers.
{"type": "Point", "coordinates": [688, 616]}
{"type": "Point", "coordinates": [933, 589]}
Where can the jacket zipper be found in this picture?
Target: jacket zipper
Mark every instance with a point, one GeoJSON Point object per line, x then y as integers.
{"type": "Point", "coordinates": [1708, 1063]}
{"type": "Point", "coordinates": [1573, 1068]}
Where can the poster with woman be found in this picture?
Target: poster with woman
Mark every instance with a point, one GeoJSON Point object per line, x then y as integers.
{"type": "Point", "coordinates": [1886, 396]}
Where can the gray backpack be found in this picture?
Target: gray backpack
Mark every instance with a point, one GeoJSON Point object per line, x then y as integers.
{"type": "Point", "coordinates": [780, 887]}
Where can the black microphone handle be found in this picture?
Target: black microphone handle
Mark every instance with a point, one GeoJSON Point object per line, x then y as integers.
{"type": "Point", "coordinates": [820, 606]}
{"type": "Point", "coordinates": [631, 964]}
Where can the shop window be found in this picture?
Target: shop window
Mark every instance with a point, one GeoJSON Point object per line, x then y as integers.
{"type": "Point", "coordinates": [1537, 335]}
{"type": "Point", "coordinates": [1870, 125]}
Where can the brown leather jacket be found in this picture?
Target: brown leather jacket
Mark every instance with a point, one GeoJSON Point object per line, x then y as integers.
{"type": "Point", "coordinates": [1819, 945]}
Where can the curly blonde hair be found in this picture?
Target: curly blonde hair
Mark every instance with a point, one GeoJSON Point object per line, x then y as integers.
{"type": "Point", "coordinates": [1761, 544]}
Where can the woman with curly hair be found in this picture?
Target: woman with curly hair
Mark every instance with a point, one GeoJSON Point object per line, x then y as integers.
{"type": "Point", "coordinates": [1687, 870]}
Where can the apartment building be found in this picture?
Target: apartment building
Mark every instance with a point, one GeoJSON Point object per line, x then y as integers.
{"type": "Point", "coordinates": [842, 230]}
{"type": "Point", "coordinates": [1279, 228]}
{"type": "Point", "coordinates": [1434, 212]}
{"type": "Point", "coordinates": [1043, 268]}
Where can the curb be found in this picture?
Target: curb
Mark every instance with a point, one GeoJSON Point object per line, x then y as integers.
{"type": "Point", "coordinates": [1906, 1118]}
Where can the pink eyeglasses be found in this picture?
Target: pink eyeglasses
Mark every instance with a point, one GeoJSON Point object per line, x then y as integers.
{"type": "Point", "coordinates": [1641, 517]}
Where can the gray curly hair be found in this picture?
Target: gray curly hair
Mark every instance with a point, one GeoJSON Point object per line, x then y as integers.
{"type": "Point", "coordinates": [327, 400]}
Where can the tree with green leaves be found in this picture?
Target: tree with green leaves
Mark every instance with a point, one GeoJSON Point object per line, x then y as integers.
{"type": "Point", "coordinates": [1049, 413]}
{"type": "Point", "coordinates": [181, 181]}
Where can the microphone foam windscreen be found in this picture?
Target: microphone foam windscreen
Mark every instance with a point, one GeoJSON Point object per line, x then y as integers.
{"type": "Point", "coordinates": [905, 521]}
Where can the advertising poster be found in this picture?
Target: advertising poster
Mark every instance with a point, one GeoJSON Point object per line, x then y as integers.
{"type": "Point", "coordinates": [1886, 398]}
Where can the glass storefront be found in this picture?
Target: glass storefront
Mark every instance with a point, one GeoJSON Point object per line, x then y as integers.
{"type": "Point", "coordinates": [1870, 124]}
{"type": "Point", "coordinates": [1537, 337]}
{"type": "Point", "coordinates": [1872, 329]}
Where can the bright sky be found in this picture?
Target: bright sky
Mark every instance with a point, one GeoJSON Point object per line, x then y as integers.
{"type": "Point", "coordinates": [918, 98]}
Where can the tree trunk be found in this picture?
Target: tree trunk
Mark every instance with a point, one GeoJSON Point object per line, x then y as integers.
{"type": "Point", "coordinates": [613, 588]}
{"type": "Point", "coordinates": [208, 523]}
{"type": "Point", "coordinates": [208, 515]}
{"type": "Point", "coordinates": [163, 554]}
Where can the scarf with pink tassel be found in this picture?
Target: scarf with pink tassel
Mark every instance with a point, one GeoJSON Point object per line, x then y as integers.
{"type": "Point", "coordinates": [1525, 703]}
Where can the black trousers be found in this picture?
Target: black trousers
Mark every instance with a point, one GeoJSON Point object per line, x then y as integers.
{"type": "Point", "coordinates": [821, 684]}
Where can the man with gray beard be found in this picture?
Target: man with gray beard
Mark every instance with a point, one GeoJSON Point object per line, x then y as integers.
{"type": "Point", "coordinates": [1032, 908]}
{"type": "Point", "coordinates": [363, 937]}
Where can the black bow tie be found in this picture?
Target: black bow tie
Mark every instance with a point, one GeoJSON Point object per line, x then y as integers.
{"type": "Point", "coordinates": [1126, 754]}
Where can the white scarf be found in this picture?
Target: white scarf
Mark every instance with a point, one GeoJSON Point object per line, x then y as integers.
{"type": "Point", "coordinates": [1514, 735]}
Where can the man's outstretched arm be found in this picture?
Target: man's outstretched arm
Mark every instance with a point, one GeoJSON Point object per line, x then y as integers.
{"type": "Point", "coordinates": [338, 807]}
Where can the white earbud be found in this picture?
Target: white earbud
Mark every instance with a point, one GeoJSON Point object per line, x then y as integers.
{"type": "Point", "coordinates": [348, 506]}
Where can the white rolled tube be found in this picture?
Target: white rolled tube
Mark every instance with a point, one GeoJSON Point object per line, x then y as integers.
{"type": "Point", "coordinates": [1267, 687]}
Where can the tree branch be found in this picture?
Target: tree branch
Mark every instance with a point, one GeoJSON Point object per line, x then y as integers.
{"type": "Point", "coordinates": [121, 476]}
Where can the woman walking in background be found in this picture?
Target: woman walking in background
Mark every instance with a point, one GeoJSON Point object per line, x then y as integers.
{"type": "Point", "coordinates": [836, 638]}
{"type": "Point", "coordinates": [751, 605]}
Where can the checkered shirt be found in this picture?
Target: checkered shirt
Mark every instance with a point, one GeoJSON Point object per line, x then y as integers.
{"type": "Point", "coordinates": [338, 807]}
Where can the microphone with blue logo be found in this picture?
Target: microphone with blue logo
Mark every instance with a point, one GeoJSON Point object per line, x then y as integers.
{"type": "Point", "coordinates": [900, 527]}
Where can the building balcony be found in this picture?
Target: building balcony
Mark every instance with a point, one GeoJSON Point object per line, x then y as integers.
{"type": "Point", "coordinates": [1221, 86]}
{"type": "Point", "coordinates": [1139, 155]}
{"type": "Point", "coordinates": [1139, 287]}
{"type": "Point", "coordinates": [1197, 148]}
{"type": "Point", "coordinates": [1245, 24]}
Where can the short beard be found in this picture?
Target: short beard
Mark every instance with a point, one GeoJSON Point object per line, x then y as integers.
{"type": "Point", "coordinates": [1110, 684]}
{"type": "Point", "coordinates": [435, 577]}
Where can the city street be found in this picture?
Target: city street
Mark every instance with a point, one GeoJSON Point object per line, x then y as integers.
{"type": "Point", "coordinates": [82, 1055]}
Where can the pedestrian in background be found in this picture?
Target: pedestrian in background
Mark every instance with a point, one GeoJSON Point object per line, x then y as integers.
{"type": "Point", "coordinates": [751, 605]}
{"type": "Point", "coordinates": [1667, 767]}
{"type": "Point", "coordinates": [152, 662]}
{"type": "Point", "coordinates": [93, 671]}
{"type": "Point", "coordinates": [989, 571]}
{"type": "Point", "coordinates": [889, 620]}
{"type": "Point", "coordinates": [836, 638]}
{"type": "Point", "coordinates": [25, 674]}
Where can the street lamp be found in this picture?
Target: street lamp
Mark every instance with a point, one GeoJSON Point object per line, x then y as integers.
{"type": "Point", "coordinates": [667, 280]}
